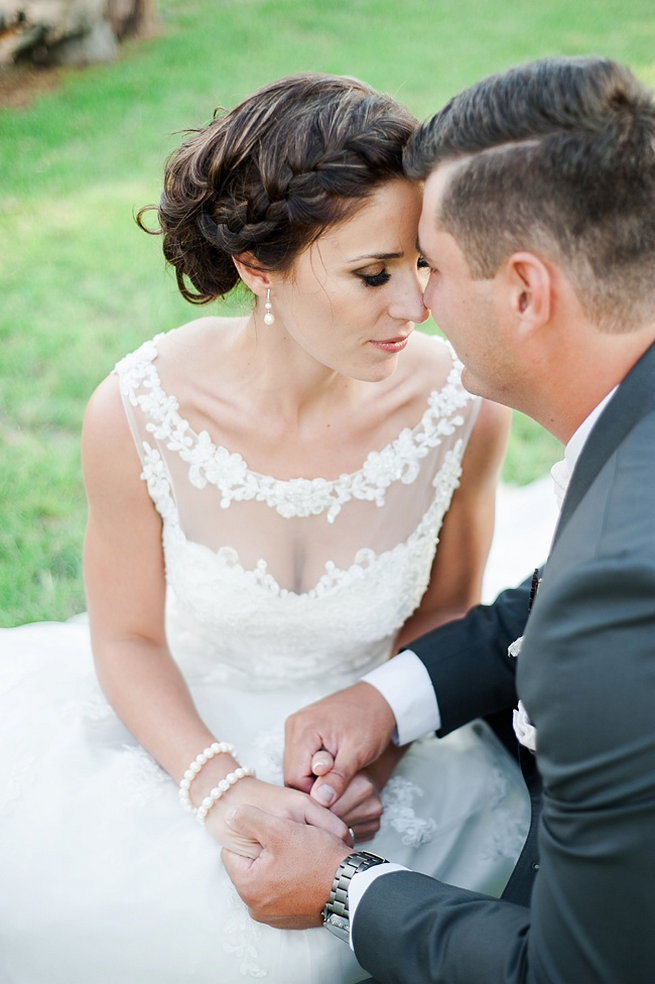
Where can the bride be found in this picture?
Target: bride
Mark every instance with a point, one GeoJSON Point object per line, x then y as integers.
{"type": "Point", "coordinates": [266, 494]}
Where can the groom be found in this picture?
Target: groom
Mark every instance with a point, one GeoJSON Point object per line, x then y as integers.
{"type": "Point", "coordinates": [538, 225]}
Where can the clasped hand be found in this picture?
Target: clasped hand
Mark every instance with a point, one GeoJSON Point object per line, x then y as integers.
{"type": "Point", "coordinates": [335, 739]}
{"type": "Point", "coordinates": [270, 848]}
{"type": "Point", "coordinates": [327, 747]}
{"type": "Point", "coordinates": [288, 804]}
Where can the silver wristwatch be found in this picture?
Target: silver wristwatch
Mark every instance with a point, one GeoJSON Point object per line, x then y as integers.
{"type": "Point", "coordinates": [336, 914]}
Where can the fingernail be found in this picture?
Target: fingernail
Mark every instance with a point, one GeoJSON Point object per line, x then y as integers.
{"type": "Point", "coordinates": [319, 764]}
{"type": "Point", "coordinates": [325, 795]}
{"type": "Point", "coordinates": [230, 815]}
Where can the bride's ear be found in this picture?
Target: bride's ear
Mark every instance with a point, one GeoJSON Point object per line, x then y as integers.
{"type": "Point", "coordinates": [253, 276]}
{"type": "Point", "coordinates": [528, 291]}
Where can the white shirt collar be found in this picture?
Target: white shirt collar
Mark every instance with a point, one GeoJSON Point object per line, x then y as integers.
{"type": "Point", "coordinates": [562, 470]}
{"type": "Point", "coordinates": [574, 448]}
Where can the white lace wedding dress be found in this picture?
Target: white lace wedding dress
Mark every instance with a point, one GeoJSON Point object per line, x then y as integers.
{"type": "Point", "coordinates": [280, 592]}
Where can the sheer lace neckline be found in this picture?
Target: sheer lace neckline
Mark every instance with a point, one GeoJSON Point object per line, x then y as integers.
{"type": "Point", "coordinates": [214, 464]}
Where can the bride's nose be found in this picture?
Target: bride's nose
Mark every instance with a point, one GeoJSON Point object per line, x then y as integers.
{"type": "Point", "coordinates": [407, 304]}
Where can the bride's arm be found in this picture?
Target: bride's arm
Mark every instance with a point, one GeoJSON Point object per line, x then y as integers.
{"type": "Point", "coordinates": [465, 539]}
{"type": "Point", "coordinates": [125, 586]}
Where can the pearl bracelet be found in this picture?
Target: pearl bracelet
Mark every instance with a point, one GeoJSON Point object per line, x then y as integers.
{"type": "Point", "coordinates": [219, 790]}
{"type": "Point", "coordinates": [216, 748]}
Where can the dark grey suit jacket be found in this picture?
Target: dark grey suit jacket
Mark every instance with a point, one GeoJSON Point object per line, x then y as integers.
{"type": "Point", "coordinates": [586, 674]}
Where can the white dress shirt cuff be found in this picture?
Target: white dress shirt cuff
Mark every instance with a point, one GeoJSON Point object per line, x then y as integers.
{"type": "Point", "coordinates": [406, 686]}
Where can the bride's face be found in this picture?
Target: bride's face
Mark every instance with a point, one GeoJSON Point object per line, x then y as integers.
{"type": "Point", "coordinates": [352, 299]}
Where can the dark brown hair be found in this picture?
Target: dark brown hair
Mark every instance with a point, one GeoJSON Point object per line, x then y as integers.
{"type": "Point", "coordinates": [557, 156]}
{"type": "Point", "coordinates": [269, 176]}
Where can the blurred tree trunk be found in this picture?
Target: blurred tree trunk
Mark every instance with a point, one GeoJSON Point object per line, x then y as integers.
{"type": "Point", "coordinates": [130, 17]}
{"type": "Point", "coordinates": [70, 32]}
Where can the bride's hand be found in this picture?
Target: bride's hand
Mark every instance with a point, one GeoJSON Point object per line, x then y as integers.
{"type": "Point", "coordinates": [280, 801]}
{"type": "Point", "coordinates": [360, 805]}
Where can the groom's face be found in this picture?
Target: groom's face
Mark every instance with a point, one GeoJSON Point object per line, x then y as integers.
{"type": "Point", "coordinates": [464, 308]}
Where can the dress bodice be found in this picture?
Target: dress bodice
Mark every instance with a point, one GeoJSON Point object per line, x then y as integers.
{"type": "Point", "coordinates": [274, 580]}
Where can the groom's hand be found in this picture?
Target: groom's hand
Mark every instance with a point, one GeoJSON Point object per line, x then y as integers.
{"type": "Point", "coordinates": [277, 800]}
{"type": "Point", "coordinates": [288, 884]}
{"type": "Point", "coordinates": [354, 726]}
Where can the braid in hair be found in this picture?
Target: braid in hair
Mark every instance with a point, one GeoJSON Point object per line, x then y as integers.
{"type": "Point", "coordinates": [264, 180]}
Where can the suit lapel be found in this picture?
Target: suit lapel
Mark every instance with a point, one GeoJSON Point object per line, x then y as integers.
{"type": "Point", "coordinates": [634, 398]}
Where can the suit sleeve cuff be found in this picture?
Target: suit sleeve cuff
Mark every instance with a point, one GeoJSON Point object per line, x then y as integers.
{"type": "Point", "coordinates": [406, 686]}
{"type": "Point", "coordinates": [361, 882]}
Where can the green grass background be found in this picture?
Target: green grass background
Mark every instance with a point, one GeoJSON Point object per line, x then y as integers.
{"type": "Point", "coordinates": [81, 285]}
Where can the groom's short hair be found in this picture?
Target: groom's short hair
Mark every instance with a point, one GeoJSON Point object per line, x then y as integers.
{"type": "Point", "coordinates": [557, 156]}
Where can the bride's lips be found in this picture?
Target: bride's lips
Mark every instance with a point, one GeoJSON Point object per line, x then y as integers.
{"type": "Point", "coordinates": [391, 345]}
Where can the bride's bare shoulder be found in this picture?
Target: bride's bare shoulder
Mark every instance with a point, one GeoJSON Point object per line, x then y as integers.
{"type": "Point", "coordinates": [107, 447]}
{"type": "Point", "coordinates": [427, 360]}
{"type": "Point", "coordinates": [198, 340]}
{"type": "Point", "coordinates": [183, 354]}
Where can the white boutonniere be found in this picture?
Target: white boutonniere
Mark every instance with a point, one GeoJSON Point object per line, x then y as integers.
{"type": "Point", "coordinates": [524, 730]}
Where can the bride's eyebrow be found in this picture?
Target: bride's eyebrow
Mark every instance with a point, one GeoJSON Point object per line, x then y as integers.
{"type": "Point", "coordinates": [376, 256]}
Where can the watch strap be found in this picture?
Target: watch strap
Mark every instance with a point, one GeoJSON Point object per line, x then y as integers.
{"type": "Point", "coordinates": [336, 914]}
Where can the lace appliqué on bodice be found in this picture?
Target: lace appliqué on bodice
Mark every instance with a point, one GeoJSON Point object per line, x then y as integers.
{"type": "Point", "coordinates": [241, 616]}
{"type": "Point", "coordinates": [297, 497]}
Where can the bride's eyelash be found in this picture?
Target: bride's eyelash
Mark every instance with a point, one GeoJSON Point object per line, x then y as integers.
{"type": "Point", "coordinates": [374, 279]}
{"type": "Point", "coordinates": [383, 277]}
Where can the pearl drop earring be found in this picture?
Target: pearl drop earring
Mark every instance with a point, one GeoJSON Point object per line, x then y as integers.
{"type": "Point", "coordinates": [269, 317]}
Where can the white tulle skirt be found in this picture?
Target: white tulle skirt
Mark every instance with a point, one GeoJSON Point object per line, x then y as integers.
{"type": "Point", "coordinates": [104, 880]}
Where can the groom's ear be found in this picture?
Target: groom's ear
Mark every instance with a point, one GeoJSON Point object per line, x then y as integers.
{"type": "Point", "coordinates": [528, 289]}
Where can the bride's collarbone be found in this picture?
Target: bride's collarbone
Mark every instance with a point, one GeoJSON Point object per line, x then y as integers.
{"type": "Point", "coordinates": [325, 444]}
{"type": "Point", "coordinates": [285, 440]}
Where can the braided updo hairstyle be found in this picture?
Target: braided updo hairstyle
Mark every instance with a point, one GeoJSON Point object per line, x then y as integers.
{"type": "Point", "coordinates": [269, 176]}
